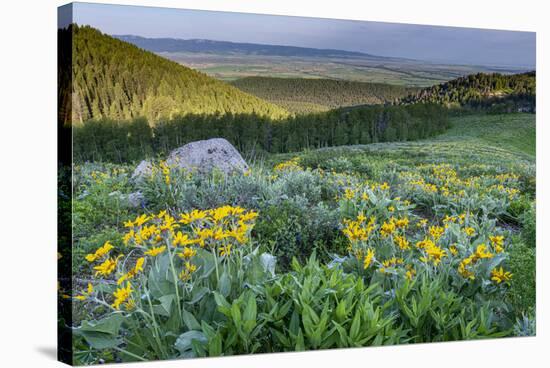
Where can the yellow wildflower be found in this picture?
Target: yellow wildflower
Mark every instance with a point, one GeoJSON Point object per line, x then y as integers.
{"type": "Point", "coordinates": [183, 239]}
{"type": "Point", "coordinates": [107, 267]}
{"type": "Point", "coordinates": [86, 294]}
{"type": "Point", "coordinates": [249, 216]}
{"type": "Point", "coordinates": [435, 254]}
{"type": "Point", "coordinates": [497, 242]}
{"type": "Point", "coordinates": [188, 270]}
{"type": "Point", "coordinates": [187, 253]}
{"type": "Point", "coordinates": [463, 268]}
{"type": "Point", "coordinates": [195, 215]}
{"type": "Point", "coordinates": [411, 272]}
{"type": "Point", "coordinates": [349, 194]}
{"type": "Point", "coordinates": [155, 251]}
{"type": "Point", "coordinates": [121, 295]}
{"type": "Point", "coordinates": [402, 242]}
{"type": "Point", "coordinates": [402, 223]}
{"type": "Point", "coordinates": [387, 229]}
{"type": "Point", "coordinates": [422, 223]}
{"type": "Point", "coordinates": [482, 252]}
{"type": "Point", "coordinates": [225, 250]}
{"type": "Point", "coordinates": [499, 275]}
{"type": "Point", "coordinates": [368, 258]}
{"type": "Point", "coordinates": [470, 231]}
{"type": "Point", "coordinates": [436, 232]}
{"type": "Point", "coordinates": [140, 220]}
{"type": "Point", "coordinates": [453, 249]}
{"type": "Point", "coordinates": [100, 252]}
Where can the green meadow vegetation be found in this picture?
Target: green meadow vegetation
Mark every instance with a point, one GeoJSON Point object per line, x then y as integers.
{"type": "Point", "coordinates": [362, 245]}
{"type": "Point", "coordinates": [358, 223]}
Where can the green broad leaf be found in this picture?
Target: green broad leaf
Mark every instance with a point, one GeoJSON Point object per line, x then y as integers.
{"type": "Point", "coordinates": [102, 334]}
{"type": "Point", "coordinates": [340, 312]}
{"type": "Point", "coordinates": [355, 325]}
{"type": "Point", "coordinates": [250, 310]}
{"type": "Point", "coordinates": [190, 320]}
{"type": "Point", "coordinates": [208, 330]}
{"type": "Point", "coordinates": [109, 325]}
{"type": "Point", "coordinates": [197, 294]}
{"type": "Point", "coordinates": [236, 314]}
{"type": "Point", "coordinates": [165, 306]}
{"type": "Point", "coordinates": [224, 285]}
{"type": "Point", "coordinates": [282, 338]}
{"type": "Point", "coordinates": [98, 340]}
{"type": "Point", "coordinates": [300, 345]}
{"type": "Point", "coordinates": [215, 345]}
{"type": "Point", "coordinates": [184, 342]}
{"type": "Point", "coordinates": [223, 305]}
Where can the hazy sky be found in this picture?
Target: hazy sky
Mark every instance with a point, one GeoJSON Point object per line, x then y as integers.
{"type": "Point", "coordinates": [438, 44]}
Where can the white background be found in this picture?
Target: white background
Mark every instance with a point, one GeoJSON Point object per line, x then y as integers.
{"type": "Point", "coordinates": [28, 181]}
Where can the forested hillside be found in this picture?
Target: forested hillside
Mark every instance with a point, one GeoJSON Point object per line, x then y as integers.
{"type": "Point", "coordinates": [305, 95]}
{"type": "Point", "coordinates": [496, 92]}
{"type": "Point", "coordinates": [116, 80]}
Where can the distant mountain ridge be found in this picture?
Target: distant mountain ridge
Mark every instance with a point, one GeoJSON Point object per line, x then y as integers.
{"type": "Point", "coordinates": [227, 47]}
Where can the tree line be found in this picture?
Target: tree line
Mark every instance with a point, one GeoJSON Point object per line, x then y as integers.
{"type": "Point", "coordinates": [133, 140]}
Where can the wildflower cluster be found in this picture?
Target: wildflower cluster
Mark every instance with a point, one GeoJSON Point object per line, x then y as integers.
{"type": "Point", "coordinates": [290, 165]}
{"type": "Point", "coordinates": [220, 230]}
{"type": "Point", "coordinates": [394, 247]}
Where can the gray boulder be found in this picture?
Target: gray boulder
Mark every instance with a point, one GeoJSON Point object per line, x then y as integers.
{"type": "Point", "coordinates": [204, 156]}
{"type": "Point", "coordinates": [144, 169]}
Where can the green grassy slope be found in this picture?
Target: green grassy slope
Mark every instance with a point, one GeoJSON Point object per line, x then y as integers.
{"type": "Point", "coordinates": [506, 140]}
{"type": "Point", "coordinates": [117, 80]}
{"type": "Point", "coordinates": [305, 95]}
{"type": "Point", "coordinates": [514, 132]}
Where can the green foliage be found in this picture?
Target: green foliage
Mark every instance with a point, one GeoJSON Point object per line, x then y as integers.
{"type": "Point", "coordinates": [112, 141]}
{"type": "Point", "coordinates": [492, 92]}
{"type": "Point", "coordinates": [116, 80]}
{"type": "Point", "coordinates": [306, 95]}
{"type": "Point", "coordinates": [275, 296]}
{"type": "Point", "coordinates": [513, 132]}
{"type": "Point", "coordinates": [523, 287]}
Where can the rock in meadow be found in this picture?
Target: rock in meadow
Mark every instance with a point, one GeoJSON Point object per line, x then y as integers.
{"type": "Point", "coordinates": [145, 168]}
{"type": "Point", "coordinates": [207, 155]}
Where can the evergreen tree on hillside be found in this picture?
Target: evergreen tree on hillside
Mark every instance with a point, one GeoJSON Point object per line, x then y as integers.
{"type": "Point", "coordinates": [115, 80]}
{"type": "Point", "coordinates": [495, 92]}
{"type": "Point", "coordinates": [304, 95]}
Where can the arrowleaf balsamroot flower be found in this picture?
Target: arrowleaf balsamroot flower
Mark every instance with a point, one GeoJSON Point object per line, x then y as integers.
{"type": "Point", "coordinates": [155, 251]}
{"type": "Point", "coordinates": [402, 242]}
{"type": "Point", "coordinates": [85, 294]}
{"type": "Point", "coordinates": [100, 252]}
{"type": "Point", "coordinates": [122, 295]}
{"type": "Point", "coordinates": [470, 231]}
{"type": "Point", "coordinates": [368, 258]}
{"type": "Point", "coordinates": [187, 253]}
{"type": "Point", "coordinates": [133, 272]}
{"type": "Point", "coordinates": [499, 275]}
{"type": "Point", "coordinates": [107, 267]}
{"type": "Point", "coordinates": [436, 232]}
{"type": "Point", "coordinates": [497, 242]}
